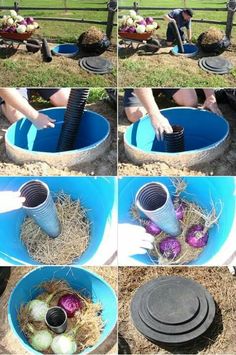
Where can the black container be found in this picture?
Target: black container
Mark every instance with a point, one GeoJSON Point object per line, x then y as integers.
{"type": "Point", "coordinates": [174, 142]}
{"type": "Point", "coordinates": [213, 48]}
{"type": "Point", "coordinates": [172, 310]}
{"type": "Point", "coordinates": [5, 272]}
{"type": "Point", "coordinates": [56, 319]}
{"type": "Point", "coordinates": [94, 48]}
{"type": "Point", "coordinates": [73, 114]}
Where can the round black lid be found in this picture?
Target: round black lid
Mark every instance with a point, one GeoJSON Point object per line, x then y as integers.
{"type": "Point", "coordinates": [96, 65]}
{"type": "Point", "coordinates": [172, 310]}
{"type": "Point", "coordinates": [217, 65]}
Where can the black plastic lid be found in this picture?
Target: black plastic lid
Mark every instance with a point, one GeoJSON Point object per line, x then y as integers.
{"type": "Point", "coordinates": [172, 310]}
{"type": "Point", "coordinates": [96, 65]}
{"type": "Point", "coordinates": [217, 65]}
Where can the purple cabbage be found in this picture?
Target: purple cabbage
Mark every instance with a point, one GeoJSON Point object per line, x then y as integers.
{"type": "Point", "coordinates": [152, 228]}
{"type": "Point", "coordinates": [149, 20]}
{"type": "Point", "coordinates": [196, 237]}
{"type": "Point", "coordinates": [142, 22]}
{"type": "Point", "coordinates": [29, 20]}
{"type": "Point", "coordinates": [170, 247]}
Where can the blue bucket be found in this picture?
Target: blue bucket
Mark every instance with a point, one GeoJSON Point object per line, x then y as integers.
{"type": "Point", "coordinates": [141, 142]}
{"type": "Point", "coordinates": [66, 50]}
{"type": "Point", "coordinates": [97, 195]}
{"type": "Point", "coordinates": [190, 50]}
{"type": "Point", "coordinates": [202, 190]}
{"type": "Point", "coordinates": [80, 279]}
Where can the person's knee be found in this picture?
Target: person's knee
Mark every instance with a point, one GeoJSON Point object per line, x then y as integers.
{"type": "Point", "coordinates": [134, 113]}
{"type": "Point", "coordinates": [11, 114]}
{"type": "Point", "coordinates": [186, 97]}
{"type": "Point", "coordinates": [60, 98]}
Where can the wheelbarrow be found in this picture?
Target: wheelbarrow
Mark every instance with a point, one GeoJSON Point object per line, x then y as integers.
{"type": "Point", "coordinates": [12, 40]}
{"type": "Point", "coordinates": [129, 39]}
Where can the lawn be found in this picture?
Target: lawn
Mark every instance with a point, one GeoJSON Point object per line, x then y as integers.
{"type": "Point", "coordinates": [61, 71]}
{"type": "Point", "coordinates": [162, 69]}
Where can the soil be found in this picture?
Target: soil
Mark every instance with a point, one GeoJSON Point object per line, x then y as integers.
{"type": "Point", "coordinates": [224, 165]}
{"type": "Point", "coordinates": [60, 72]}
{"type": "Point", "coordinates": [8, 342]}
{"type": "Point", "coordinates": [106, 165]}
{"type": "Point", "coordinates": [170, 68]}
{"type": "Point", "coordinates": [220, 339]}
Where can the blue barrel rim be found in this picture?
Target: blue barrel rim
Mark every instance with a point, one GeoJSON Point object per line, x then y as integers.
{"type": "Point", "coordinates": [65, 54]}
{"type": "Point", "coordinates": [69, 152]}
{"type": "Point", "coordinates": [95, 275]}
{"type": "Point", "coordinates": [175, 51]}
{"type": "Point", "coordinates": [187, 152]}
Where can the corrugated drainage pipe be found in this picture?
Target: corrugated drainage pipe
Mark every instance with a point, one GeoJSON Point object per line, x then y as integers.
{"type": "Point", "coordinates": [154, 200]}
{"type": "Point", "coordinates": [73, 114]}
{"type": "Point", "coordinates": [40, 206]}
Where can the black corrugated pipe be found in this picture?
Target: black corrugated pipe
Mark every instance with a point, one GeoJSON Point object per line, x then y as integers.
{"type": "Point", "coordinates": [178, 37]}
{"type": "Point", "coordinates": [73, 114]}
{"type": "Point", "coordinates": [46, 52]}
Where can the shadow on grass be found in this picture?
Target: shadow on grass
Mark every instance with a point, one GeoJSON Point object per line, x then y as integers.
{"type": "Point", "coordinates": [6, 53]}
{"type": "Point", "coordinates": [123, 346]}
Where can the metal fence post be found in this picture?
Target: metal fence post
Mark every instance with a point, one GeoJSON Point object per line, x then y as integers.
{"type": "Point", "coordinates": [231, 6]}
{"type": "Point", "coordinates": [111, 7]}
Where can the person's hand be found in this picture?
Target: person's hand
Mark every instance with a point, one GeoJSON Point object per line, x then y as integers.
{"type": "Point", "coordinates": [133, 239]}
{"type": "Point", "coordinates": [172, 20]}
{"type": "Point", "coordinates": [211, 105]}
{"type": "Point", "coordinates": [160, 125]}
{"type": "Point", "coordinates": [10, 201]}
{"type": "Point", "coordinates": [43, 121]}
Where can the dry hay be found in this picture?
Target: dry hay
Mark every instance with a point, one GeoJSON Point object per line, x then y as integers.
{"type": "Point", "coordinates": [69, 245]}
{"type": "Point", "coordinates": [213, 35]}
{"type": "Point", "coordinates": [193, 215]}
{"type": "Point", "coordinates": [88, 319]}
{"type": "Point", "coordinates": [93, 35]}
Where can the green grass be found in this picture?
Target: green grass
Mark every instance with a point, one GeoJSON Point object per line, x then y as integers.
{"type": "Point", "coordinates": [30, 69]}
{"type": "Point", "coordinates": [95, 95]}
{"type": "Point", "coordinates": [163, 75]}
{"type": "Point", "coordinates": [62, 31]}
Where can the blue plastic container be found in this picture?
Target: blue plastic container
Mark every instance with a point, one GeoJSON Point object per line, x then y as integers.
{"type": "Point", "coordinates": [80, 279]}
{"type": "Point", "coordinates": [66, 50]}
{"type": "Point", "coordinates": [204, 132]}
{"type": "Point", "coordinates": [202, 190]}
{"type": "Point", "coordinates": [190, 50]}
{"type": "Point", "coordinates": [98, 196]}
{"type": "Point", "coordinates": [94, 129]}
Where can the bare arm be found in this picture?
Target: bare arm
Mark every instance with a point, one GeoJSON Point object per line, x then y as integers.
{"type": "Point", "coordinates": [210, 102]}
{"type": "Point", "coordinates": [168, 18]}
{"type": "Point", "coordinates": [159, 122]}
{"type": "Point", "coordinates": [12, 97]}
{"type": "Point", "coordinates": [189, 33]}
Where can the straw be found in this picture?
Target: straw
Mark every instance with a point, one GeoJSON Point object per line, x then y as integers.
{"type": "Point", "coordinates": [71, 243]}
{"type": "Point", "coordinates": [92, 35]}
{"type": "Point", "coordinates": [88, 319]}
{"type": "Point", "coordinates": [212, 35]}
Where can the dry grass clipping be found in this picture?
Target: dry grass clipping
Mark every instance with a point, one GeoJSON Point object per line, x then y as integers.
{"type": "Point", "coordinates": [213, 35]}
{"type": "Point", "coordinates": [69, 245]}
{"type": "Point", "coordinates": [193, 215]}
{"type": "Point", "coordinates": [93, 35]}
{"type": "Point", "coordinates": [88, 319]}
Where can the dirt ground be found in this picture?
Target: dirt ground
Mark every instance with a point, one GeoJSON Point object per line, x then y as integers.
{"type": "Point", "coordinates": [32, 71]}
{"type": "Point", "coordinates": [224, 165]}
{"type": "Point", "coordinates": [161, 69]}
{"type": "Point", "coordinates": [219, 282]}
{"type": "Point", "coordinates": [8, 342]}
{"type": "Point", "coordinates": [106, 165]}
